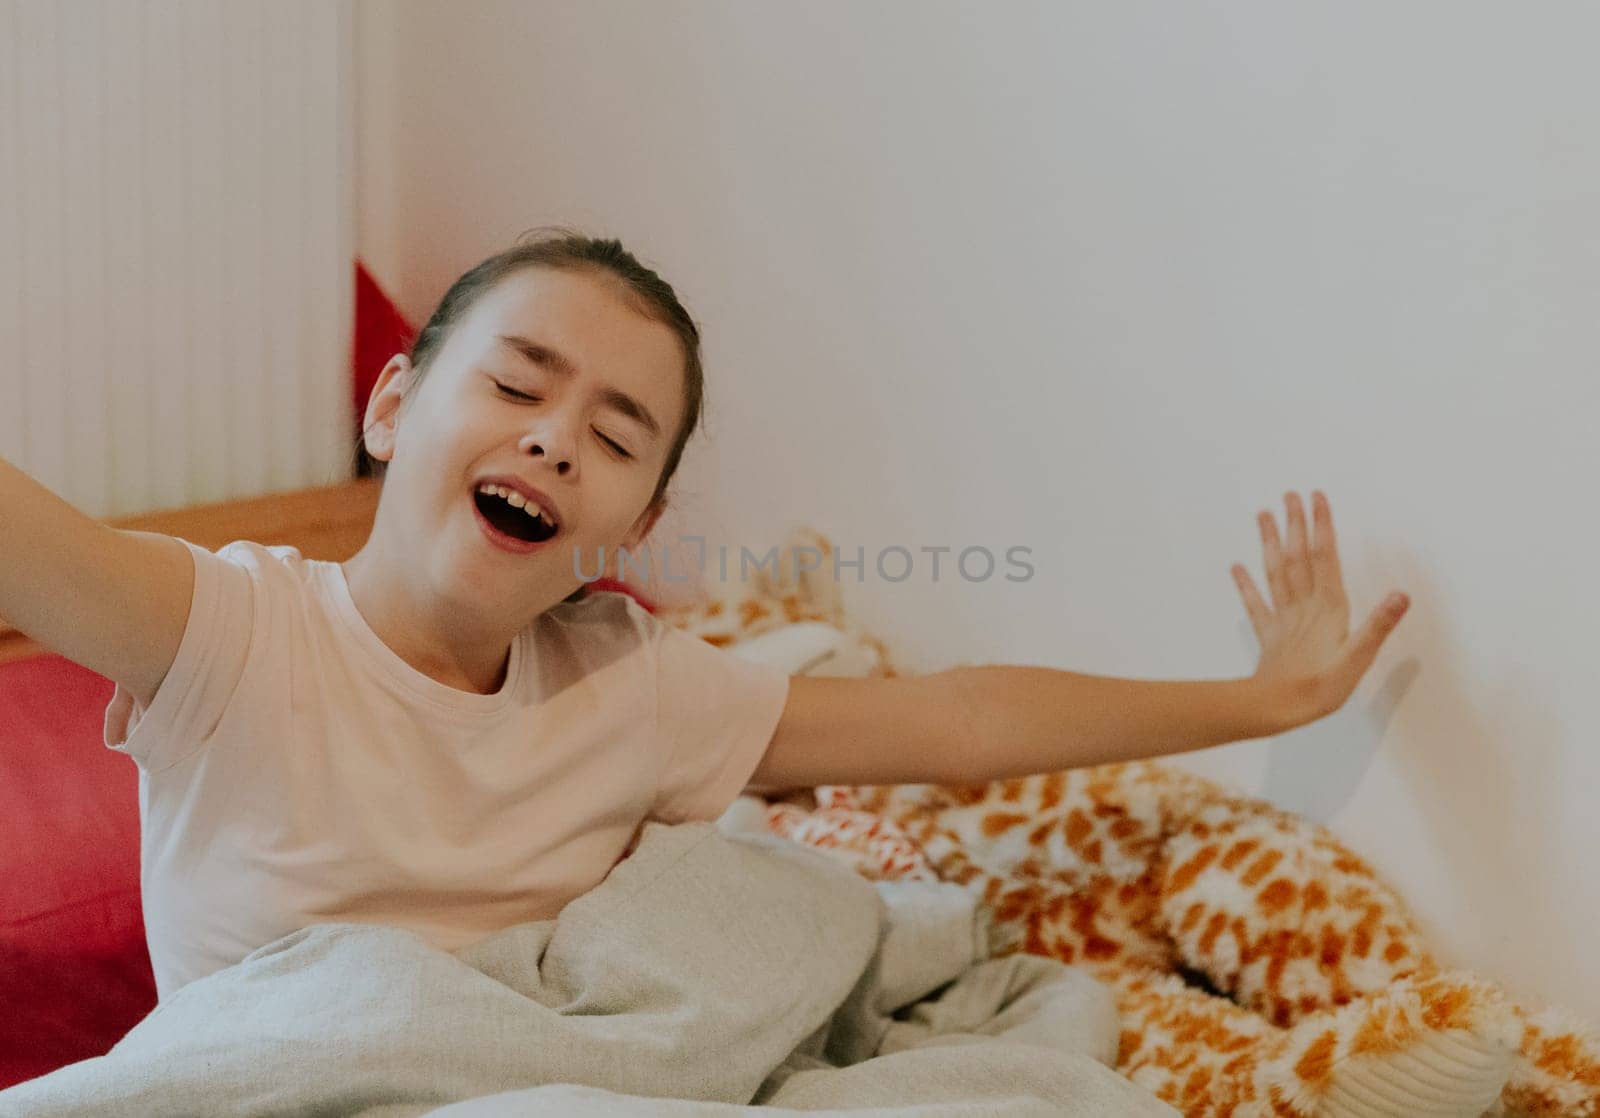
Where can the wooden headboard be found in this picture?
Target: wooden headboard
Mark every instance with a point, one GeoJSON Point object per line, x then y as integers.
{"type": "Point", "coordinates": [330, 523]}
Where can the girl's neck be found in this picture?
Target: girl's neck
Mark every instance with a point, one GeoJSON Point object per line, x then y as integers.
{"type": "Point", "coordinates": [434, 642]}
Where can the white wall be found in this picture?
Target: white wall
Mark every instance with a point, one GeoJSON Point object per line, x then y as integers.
{"type": "Point", "coordinates": [1103, 281]}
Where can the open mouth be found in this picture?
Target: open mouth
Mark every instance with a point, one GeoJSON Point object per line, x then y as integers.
{"type": "Point", "coordinates": [511, 520]}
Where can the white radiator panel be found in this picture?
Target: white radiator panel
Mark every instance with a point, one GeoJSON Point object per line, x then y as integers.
{"type": "Point", "coordinates": [176, 248]}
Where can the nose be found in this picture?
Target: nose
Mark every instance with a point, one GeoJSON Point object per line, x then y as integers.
{"type": "Point", "coordinates": [554, 447]}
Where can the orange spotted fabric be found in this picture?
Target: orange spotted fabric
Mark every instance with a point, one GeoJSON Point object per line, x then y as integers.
{"type": "Point", "coordinates": [1252, 955]}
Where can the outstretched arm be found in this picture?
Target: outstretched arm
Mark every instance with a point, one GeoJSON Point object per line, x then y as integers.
{"type": "Point", "coordinates": [112, 600]}
{"type": "Point", "coordinates": [971, 725]}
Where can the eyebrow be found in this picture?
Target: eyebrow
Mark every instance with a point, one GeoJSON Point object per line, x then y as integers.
{"type": "Point", "coordinates": [554, 360]}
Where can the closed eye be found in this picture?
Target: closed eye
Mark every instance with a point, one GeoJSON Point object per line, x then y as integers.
{"type": "Point", "coordinates": [515, 395]}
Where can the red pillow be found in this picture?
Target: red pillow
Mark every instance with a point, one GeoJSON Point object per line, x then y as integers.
{"type": "Point", "coordinates": [74, 971]}
{"type": "Point", "coordinates": [381, 331]}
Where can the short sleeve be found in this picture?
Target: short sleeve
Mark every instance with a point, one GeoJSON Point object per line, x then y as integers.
{"type": "Point", "coordinates": [716, 715]}
{"type": "Point", "coordinates": [196, 689]}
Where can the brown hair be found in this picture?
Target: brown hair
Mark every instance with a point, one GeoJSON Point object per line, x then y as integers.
{"type": "Point", "coordinates": [567, 249]}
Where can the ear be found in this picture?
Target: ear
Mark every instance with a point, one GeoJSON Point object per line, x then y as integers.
{"type": "Point", "coordinates": [382, 419]}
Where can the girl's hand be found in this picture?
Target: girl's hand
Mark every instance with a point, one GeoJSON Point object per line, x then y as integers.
{"type": "Point", "coordinates": [1307, 654]}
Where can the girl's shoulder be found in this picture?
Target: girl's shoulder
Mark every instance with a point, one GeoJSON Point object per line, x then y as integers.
{"type": "Point", "coordinates": [273, 565]}
{"type": "Point", "coordinates": [251, 553]}
{"type": "Point", "coordinates": [268, 572]}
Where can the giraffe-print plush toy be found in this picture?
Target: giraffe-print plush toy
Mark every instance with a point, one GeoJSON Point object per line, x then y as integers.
{"type": "Point", "coordinates": [1261, 968]}
{"type": "Point", "coordinates": [798, 588]}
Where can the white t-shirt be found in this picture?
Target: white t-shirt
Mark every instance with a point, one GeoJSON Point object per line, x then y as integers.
{"type": "Point", "coordinates": [293, 769]}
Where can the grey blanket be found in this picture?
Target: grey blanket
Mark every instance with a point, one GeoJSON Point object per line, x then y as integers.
{"type": "Point", "coordinates": [715, 970]}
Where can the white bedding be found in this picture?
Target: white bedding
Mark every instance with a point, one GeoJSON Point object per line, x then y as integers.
{"type": "Point", "coordinates": [711, 971]}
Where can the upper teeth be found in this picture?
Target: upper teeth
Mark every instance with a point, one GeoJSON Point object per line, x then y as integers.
{"type": "Point", "coordinates": [517, 500]}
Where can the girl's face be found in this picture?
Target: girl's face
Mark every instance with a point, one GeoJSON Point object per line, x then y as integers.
{"type": "Point", "coordinates": [550, 378]}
